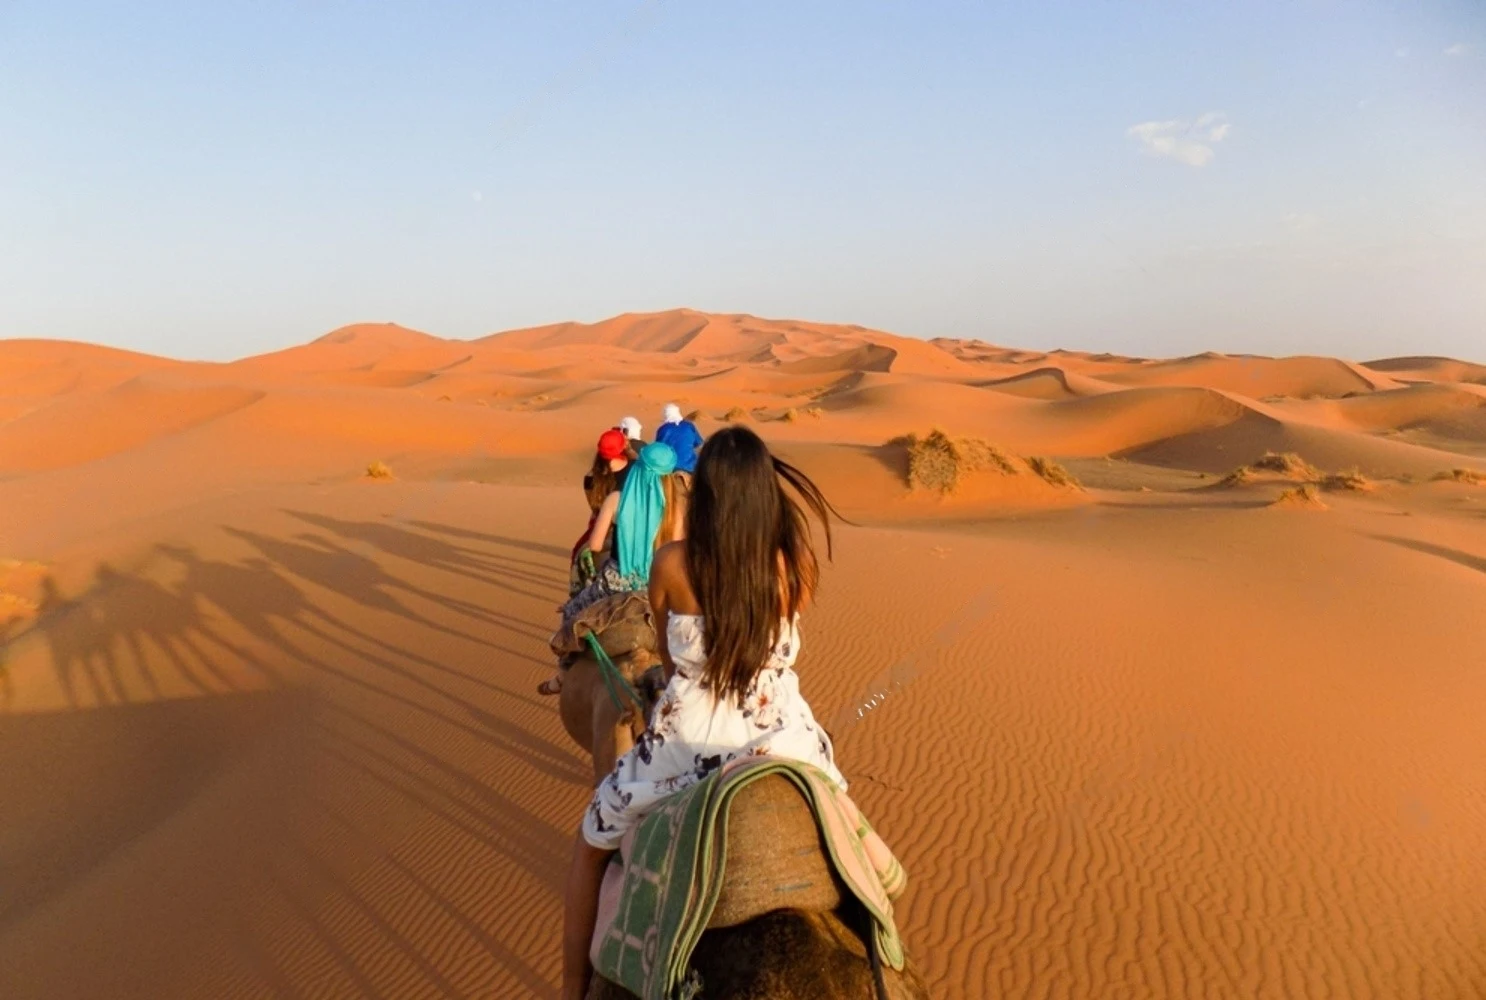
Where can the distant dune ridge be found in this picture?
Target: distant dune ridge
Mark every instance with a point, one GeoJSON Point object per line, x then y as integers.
{"type": "Point", "coordinates": [1162, 677]}
{"type": "Point", "coordinates": [1210, 411]}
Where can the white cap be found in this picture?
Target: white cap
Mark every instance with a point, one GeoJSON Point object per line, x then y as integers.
{"type": "Point", "coordinates": [672, 413]}
{"type": "Point", "coordinates": [631, 428]}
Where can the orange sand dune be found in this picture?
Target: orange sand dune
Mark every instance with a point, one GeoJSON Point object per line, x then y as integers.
{"type": "Point", "coordinates": [86, 426]}
{"type": "Point", "coordinates": [1430, 370]}
{"type": "Point", "coordinates": [1050, 383]}
{"type": "Point", "coordinates": [1258, 377]}
{"type": "Point", "coordinates": [270, 726]}
{"type": "Point", "coordinates": [361, 345]}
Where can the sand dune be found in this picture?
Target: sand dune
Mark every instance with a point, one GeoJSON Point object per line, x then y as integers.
{"type": "Point", "coordinates": [1430, 370]}
{"type": "Point", "coordinates": [1050, 383]}
{"type": "Point", "coordinates": [1257, 377]}
{"type": "Point", "coordinates": [270, 727]}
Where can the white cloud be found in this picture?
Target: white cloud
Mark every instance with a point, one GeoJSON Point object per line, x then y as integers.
{"type": "Point", "coordinates": [1189, 142]}
{"type": "Point", "coordinates": [1458, 49]}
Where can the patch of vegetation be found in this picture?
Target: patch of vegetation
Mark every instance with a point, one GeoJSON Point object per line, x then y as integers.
{"type": "Point", "coordinates": [1053, 472]}
{"type": "Point", "coordinates": [938, 461]}
{"type": "Point", "coordinates": [1351, 480]}
{"type": "Point", "coordinates": [793, 415]}
{"type": "Point", "coordinates": [735, 414]}
{"type": "Point", "coordinates": [379, 470]}
{"type": "Point", "coordinates": [1286, 464]}
{"type": "Point", "coordinates": [1241, 476]}
{"type": "Point", "coordinates": [694, 416]}
{"type": "Point", "coordinates": [1304, 495]}
{"type": "Point", "coordinates": [1469, 477]}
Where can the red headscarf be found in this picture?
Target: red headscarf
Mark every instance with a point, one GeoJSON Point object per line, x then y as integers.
{"type": "Point", "coordinates": [612, 444]}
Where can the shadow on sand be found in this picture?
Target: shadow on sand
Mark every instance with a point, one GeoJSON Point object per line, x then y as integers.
{"type": "Point", "coordinates": [295, 722]}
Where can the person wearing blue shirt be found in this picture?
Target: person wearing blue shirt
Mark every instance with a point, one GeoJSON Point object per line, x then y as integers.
{"type": "Point", "coordinates": [683, 437]}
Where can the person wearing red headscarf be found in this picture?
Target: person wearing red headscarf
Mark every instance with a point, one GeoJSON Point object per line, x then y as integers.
{"type": "Point", "coordinates": [611, 463]}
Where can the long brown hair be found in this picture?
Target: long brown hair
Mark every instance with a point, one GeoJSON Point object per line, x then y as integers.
{"type": "Point", "coordinates": [749, 553]}
{"type": "Point", "coordinates": [603, 480]}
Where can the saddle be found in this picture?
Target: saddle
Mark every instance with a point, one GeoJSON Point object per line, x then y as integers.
{"type": "Point", "coordinates": [622, 623]}
{"type": "Point", "coordinates": [762, 835]}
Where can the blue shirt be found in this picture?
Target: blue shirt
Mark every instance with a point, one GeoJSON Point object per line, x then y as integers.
{"type": "Point", "coordinates": [684, 439]}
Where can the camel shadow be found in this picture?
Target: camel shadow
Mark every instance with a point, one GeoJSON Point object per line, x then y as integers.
{"type": "Point", "coordinates": [1453, 555]}
{"type": "Point", "coordinates": [361, 719]}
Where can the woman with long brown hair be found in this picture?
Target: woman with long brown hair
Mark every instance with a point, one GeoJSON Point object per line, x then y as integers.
{"type": "Point", "coordinates": [727, 601]}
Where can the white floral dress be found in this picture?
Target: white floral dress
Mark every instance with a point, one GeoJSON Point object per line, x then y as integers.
{"type": "Point", "coordinates": [692, 734]}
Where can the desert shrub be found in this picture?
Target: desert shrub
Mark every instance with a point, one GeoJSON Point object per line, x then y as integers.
{"type": "Point", "coordinates": [1468, 476]}
{"type": "Point", "coordinates": [1240, 476]}
{"type": "Point", "coordinates": [1352, 480]}
{"type": "Point", "coordinates": [379, 470]}
{"type": "Point", "coordinates": [938, 461]}
{"type": "Point", "coordinates": [1053, 472]}
{"type": "Point", "coordinates": [1304, 495]}
{"type": "Point", "coordinates": [1286, 464]}
{"type": "Point", "coordinates": [735, 414]}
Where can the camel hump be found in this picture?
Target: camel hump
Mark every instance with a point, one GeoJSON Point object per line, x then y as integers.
{"type": "Point", "coordinates": [776, 858]}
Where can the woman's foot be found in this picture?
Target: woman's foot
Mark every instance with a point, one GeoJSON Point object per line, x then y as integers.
{"type": "Point", "coordinates": [551, 686]}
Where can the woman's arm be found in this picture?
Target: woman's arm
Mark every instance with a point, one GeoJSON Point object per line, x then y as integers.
{"type": "Point", "coordinates": [662, 572]}
{"type": "Point", "coordinates": [580, 911]}
{"type": "Point", "coordinates": [603, 522]}
{"type": "Point", "coordinates": [678, 525]}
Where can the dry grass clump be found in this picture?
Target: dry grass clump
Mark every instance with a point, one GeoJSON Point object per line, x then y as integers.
{"type": "Point", "coordinates": [1287, 464]}
{"type": "Point", "coordinates": [1468, 476]}
{"type": "Point", "coordinates": [735, 414]}
{"type": "Point", "coordinates": [379, 470]}
{"type": "Point", "coordinates": [792, 415]}
{"type": "Point", "coordinates": [1304, 496]}
{"type": "Point", "coordinates": [938, 462]}
{"type": "Point", "coordinates": [694, 416]}
{"type": "Point", "coordinates": [1053, 472]}
{"type": "Point", "coordinates": [1351, 480]}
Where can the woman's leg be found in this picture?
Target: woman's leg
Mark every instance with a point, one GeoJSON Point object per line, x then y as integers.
{"type": "Point", "coordinates": [580, 911]}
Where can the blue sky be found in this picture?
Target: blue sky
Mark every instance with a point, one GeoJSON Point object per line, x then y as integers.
{"type": "Point", "coordinates": [215, 180]}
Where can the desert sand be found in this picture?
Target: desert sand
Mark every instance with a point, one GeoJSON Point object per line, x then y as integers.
{"type": "Point", "coordinates": [269, 724]}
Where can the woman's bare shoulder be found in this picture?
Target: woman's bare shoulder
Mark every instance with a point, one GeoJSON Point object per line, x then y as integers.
{"type": "Point", "coordinates": [668, 570]}
{"type": "Point", "coordinates": [669, 558]}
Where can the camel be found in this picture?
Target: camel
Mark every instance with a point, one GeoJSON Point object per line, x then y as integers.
{"type": "Point", "coordinates": [812, 950]}
{"type": "Point", "coordinates": [752, 949]}
{"type": "Point", "coordinates": [601, 717]}
{"type": "Point", "coordinates": [603, 728]}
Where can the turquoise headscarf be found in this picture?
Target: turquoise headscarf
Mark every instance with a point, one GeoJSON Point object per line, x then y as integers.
{"type": "Point", "coordinates": [642, 505]}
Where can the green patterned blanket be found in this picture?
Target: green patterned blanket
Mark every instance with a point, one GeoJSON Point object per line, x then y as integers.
{"type": "Point", "coordinates": [675, 861]}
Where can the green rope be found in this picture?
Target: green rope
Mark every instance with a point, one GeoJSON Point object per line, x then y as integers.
{"type": "Point", "coordinates": [613, 679]}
